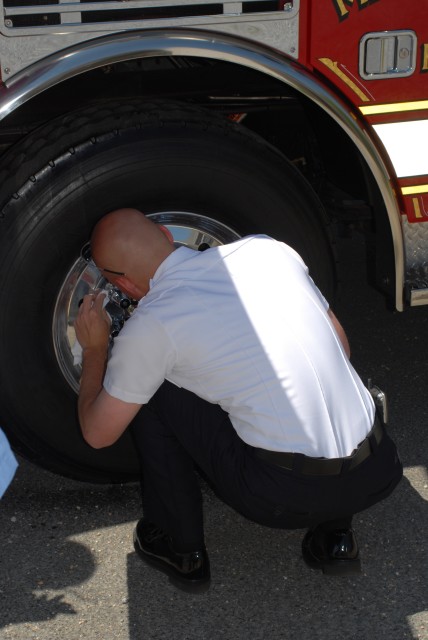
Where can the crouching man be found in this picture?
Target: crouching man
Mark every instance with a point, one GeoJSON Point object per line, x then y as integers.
{"type": "Point", "coordinates": [232, 361]}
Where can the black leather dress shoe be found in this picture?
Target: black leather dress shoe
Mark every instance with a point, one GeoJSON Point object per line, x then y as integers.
{"type": "Point", "coordinates": [334, 552]}
{"type": "Point", "coordinates": [189, 571]}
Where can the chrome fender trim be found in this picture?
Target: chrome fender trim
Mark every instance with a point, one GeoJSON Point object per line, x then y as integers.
{"type": "Point", "coordinates": [129, 45]}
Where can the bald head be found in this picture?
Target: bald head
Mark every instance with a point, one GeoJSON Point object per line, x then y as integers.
{"type": "Point", "coordinates": [128, 242]}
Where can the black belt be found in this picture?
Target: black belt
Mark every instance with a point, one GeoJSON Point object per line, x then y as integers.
{"type": "Point", "coordinates": [324, 466]}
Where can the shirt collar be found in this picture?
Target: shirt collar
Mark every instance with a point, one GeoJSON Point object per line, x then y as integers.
{"type": "Point", "coordinates": [175, 258]}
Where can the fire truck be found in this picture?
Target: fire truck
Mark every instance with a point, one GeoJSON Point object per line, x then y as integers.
{"type": "Point", "coordinates": [217, 119]}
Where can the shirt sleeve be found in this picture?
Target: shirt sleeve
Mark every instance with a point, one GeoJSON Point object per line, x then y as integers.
{"type": "Point", "coordinates": [293, 253]}
{"type": "Point", "coordinates": [141, 358]}
{"type": "Point", "coordinates": [321, 297]}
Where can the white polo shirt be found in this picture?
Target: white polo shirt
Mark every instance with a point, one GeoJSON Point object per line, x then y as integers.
{"type": "Point", "coordinates": [244, 326]}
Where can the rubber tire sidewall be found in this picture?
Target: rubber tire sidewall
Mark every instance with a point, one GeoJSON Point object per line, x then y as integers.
{"type": "Point", "coordinates": [169, 167]}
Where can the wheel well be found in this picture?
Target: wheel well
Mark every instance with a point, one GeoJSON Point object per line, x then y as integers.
{"type": "Point", "coordinates": [307, 136]}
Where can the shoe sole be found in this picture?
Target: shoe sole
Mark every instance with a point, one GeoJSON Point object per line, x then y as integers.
{"type": "Point", "coordinates": [184, 584]}
{"type": "Point", "coordinates": [336, 567]}
{"type": "Point", "coordinates": [342, 568]}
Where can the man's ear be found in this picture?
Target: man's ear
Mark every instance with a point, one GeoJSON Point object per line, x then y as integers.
{"type": "Point", "coordinates": [167, 232]}
{"type": "Point", "coordinates": [128, 286]}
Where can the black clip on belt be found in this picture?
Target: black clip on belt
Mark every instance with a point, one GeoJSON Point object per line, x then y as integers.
{"type": "Point", "coordinates": [325, 466]}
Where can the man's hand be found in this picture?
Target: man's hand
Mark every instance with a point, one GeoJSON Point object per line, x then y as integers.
{"type": "Point", "coordinates": [92, 327]}
{"type": "Point", "coordinates": [102, 418]}
{"type": "Point", "coordinates": [92, 324]}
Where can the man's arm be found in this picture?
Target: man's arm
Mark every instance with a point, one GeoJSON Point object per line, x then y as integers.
{"type": "Point", "coordinates": [340, 332]}
{"type": "Point", "coordinates": [102, 418]}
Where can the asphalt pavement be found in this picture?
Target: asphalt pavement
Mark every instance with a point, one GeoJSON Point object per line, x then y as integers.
{"type": "Point", "coordinates": [68, 569]}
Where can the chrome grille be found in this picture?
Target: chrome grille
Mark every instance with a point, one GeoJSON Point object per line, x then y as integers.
{"type": "Point", "coordinates": [47, 13]}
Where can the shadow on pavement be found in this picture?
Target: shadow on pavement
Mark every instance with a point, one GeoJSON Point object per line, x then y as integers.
{"type": "Point", "coordinates": [262, 589]}
{"type": "Point", "coordinates": [39, 514]}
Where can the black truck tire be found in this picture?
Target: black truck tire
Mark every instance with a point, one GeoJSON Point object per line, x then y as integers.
{"type": "Point", "coordinates": [55, 185]}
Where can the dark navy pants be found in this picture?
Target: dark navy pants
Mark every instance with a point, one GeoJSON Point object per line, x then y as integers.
{"type": "Point", "coordinates": [177, 430]}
